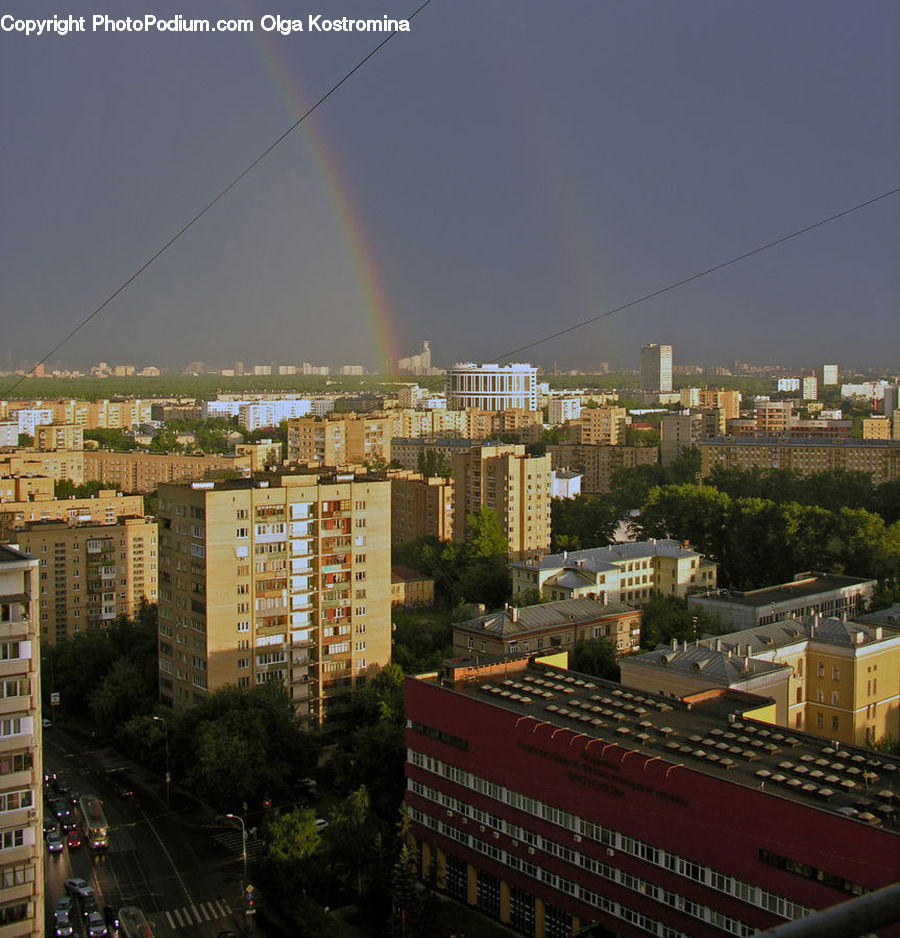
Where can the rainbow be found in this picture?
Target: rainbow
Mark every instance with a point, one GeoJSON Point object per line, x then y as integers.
{"type": "Point", "coordinates": [348, 219]}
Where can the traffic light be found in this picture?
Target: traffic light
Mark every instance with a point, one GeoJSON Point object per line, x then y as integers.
{"type": "Point", "coordinates": [267, 802]}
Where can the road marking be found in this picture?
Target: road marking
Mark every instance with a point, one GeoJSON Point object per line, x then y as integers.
{"type": "Point", "coordinates": [204, 908]}
{"type": "Point", "coordinates": [223, 907]}
{"type": "Point", "coordinates": [175, 912]}
{"type": "Point", "coordinates": [171, 920]}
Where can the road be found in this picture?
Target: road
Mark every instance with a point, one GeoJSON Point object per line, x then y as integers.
{"type": "Point", "coordinates": [165, 861]}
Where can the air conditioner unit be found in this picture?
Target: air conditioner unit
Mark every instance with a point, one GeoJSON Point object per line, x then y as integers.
{"type": "Point", "coordinates": [577, 838]}
{"type": "Point", "coordinates": [449, 813]}
{"type": "Point", "coordinates": [481, 828]}
{"type": "Point", "coordinates": [610, 852]}
{"type": "Point", "coordinates": [496, 835]}
{"type": "Point", "coordinates": [32, 812]}
{"type": "Point", "coordinates": [531, 851]}
{"type": "Point", "coordinates": [515, 843]}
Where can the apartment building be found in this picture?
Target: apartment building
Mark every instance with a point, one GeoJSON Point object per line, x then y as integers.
{"type": "Point", "coordinates": [21, 766]}
{"type": "Point", "coordinates": [103, 508]}
{"type": "Point", "coordinates": [279, 577]}
{"type": "Point", "coordinates": [551, 800]}
{"type": "Point", "coordinates": [679, 432]}
{"type": "Point", "coordinates": [603, 425]}
{"type": "Point", "coordinates": [516, 487]}
{"type": "Point", "coordinates": [876, 428]}
{"type": "Point", "coordinates": [598, 462]}
{"type": "Point", "coordinates": [420, 506]}
{"type": "Point", "coordinates": [56, 465]}
{"type": "Point", "coordinates": [90, 573]}
{"type": "Point", "coordinates": [340, 440]}
{"type": "Point", "coordinates": [879, 459]}
{"type": "Point", "coordinates": [631, 572]}
{"type": "Point", "coordinates": [553, 625]}
{"type": "Point", "coordinates": [59, 436]}
{"type": "Point", "coordinates": [140, 471]}
{"type": "Point", "coordinates": [563, 409]}
{"type": "Point", "coordinates": [831, 677]}
{"type": "Point", "coordinates": [729, 402]}
{"type": "Point", "coordinates": [25, 489]}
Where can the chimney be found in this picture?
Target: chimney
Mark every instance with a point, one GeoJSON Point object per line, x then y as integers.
{"type": "Point", "coordinates": [674, 644]}
{"type": "Point", "coordinates": [718, 644]}
{"type": "Point", "coordinates": [879, 633]}
{"type": "Point", "coordinates": [514, 613]}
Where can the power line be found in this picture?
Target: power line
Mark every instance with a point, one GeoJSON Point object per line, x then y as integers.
{"type": "Point", "coordinates": [703, 273]}
{"type": "Point", "coordinates": [184, 228]}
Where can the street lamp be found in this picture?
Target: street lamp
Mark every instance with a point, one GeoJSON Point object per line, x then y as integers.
{"type": "Point", "coordinates": [168, 776]}
{"type": "Point", "coordinates": [240, 820]}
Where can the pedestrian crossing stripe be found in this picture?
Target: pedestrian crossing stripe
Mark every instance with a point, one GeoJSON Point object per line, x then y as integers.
{"type": "Point", "coordinates": [187, 916]}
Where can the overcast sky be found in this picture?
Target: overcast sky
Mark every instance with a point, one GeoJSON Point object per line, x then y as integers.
{"type": "Point", "coordinates": [503, 170]}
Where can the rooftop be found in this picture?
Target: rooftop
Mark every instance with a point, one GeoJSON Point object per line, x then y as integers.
{"type": "Point", "coordinates": [607, 558]}
{"type": "Point", "coordinates": [712, 732]}
{"type": "Point", "coordinates": [808, 585]}
{"type": "Point", "coordinates": [537, 618]}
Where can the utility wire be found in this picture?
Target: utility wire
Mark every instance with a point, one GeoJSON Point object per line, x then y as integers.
{"type": "Point", "coordinates": [703, 273]}
{"type": "Point", "coordinates": [184, 228]}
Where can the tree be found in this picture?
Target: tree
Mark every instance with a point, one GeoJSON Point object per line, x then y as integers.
{"type": "Point", "coordinates": [582, 522]}
{"type": "Point", "coordinates": [431, 463]}
{"type": "Point", "coordinates": [25, 439]}
{"type": "Point", "coordinates": [292, 837]}
{"type": "Point", "coordinates": [352, 837]}
{"type": "Point", "coordinates": [484, 538]}
{"type": "Point", "coordinates": [596, 656]}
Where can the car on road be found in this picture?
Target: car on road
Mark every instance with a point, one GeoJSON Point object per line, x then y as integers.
{"type": "Point", "coordinates": [64, 905]}
{"type": "Point", "coordinates": [96, 927]}
{"type": "Point", "coordinates": [111, 917]}
{"type": "Point", "coordinates": [54, 842]}
{"type": "Point", "coordinates": [62, 925]}
{"type": "Point", "coordinates": [89, 907]}
{"type": "Point", "coordinates": [50, 825]}
{"type": "Point", "coordinates": [79, 887]}
{"type": "Point", "coordinates": [73, 839]}
{"type": "Point", "coordinates": [45, 723]}
{"type": "Point", "coordinates": [321, 824]}
{"type": "Point", "coordinates": [61, 810]}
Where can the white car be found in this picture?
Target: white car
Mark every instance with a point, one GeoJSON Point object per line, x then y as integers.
{"type": "Point", "coordinates": [79, 887]}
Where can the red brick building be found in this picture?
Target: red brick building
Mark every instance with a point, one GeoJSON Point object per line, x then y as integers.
{"type": "Point", "coordinates": [551, 799]}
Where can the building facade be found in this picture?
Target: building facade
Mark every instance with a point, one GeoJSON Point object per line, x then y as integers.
{"type": "Point", "coordinates": [824, 594]}
{"type": "Point", "coordinates": [106, 507]}
{"type": "Point", "coordinates": [631, 572]}
{"type": "Point", "coordinates": [656, 367]}
{"type": "Point", "coordinates": [420, 507]}
{"type": "Point", "coordinates": [554, 625]}
{"type": "Point", "coordinates": [834, 678]}
{"type": "Point", "coordinates": [603, 425]}
{"type": "Point", "coordinates": [492, 387]}
{"type": "Point", "coordinates": [276, 578]}
{"type": "Point", "coordinates": [516, 487]}
{"type": "Point", "coordinates": [879, 459]}
{"type": "Point", "coordinates": [21, 766]}
{"type": "Point", "coordinates": [551, 800]}
{"type": "Point", "coordinates": [90, 573]}
{"type": "Point", "coordinates": [598, 462]}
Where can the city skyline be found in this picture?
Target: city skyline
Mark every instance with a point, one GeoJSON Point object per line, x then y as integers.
{"type": "Point", "coordinates": [574, 164]}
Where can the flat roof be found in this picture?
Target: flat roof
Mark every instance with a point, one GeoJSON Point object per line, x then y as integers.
{"type": "Point", "coordinates": [604, 558]}
{"type": "Point", "coordinates": [707, 732]}
{"type": "Point", "coordinates": [796, 589]}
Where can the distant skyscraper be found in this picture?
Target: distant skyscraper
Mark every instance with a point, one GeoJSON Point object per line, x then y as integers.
{"type": "Point", "coordinates": [827, 375]}
{"type": "Point", "coordinates": [656, 367]}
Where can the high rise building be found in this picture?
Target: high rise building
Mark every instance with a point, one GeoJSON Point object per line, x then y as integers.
{"type": "Point", "coordinates": [21, 766]}
{"type": "Point", "coordinates": [656, 367]}
{"type": "Point", "coordinates": [280, 577]}
{"type": "Point", "coordinates": [827, 375]}
{"type": "Point", "coordinates": [603, 425]}
{"type": "Point", "coordinates": [492, 387]}
{"type": "Point", "coordinates": [516, 487]}
{"type": "Point", "coordinates": [90, 573]}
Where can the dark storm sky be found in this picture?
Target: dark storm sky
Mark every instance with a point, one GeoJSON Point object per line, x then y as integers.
{"type": "Point", "coordinates": [505, 169]}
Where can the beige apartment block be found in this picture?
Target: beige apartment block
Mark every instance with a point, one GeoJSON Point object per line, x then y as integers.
{"type": "Point", "coordinates": [832, 677]}
{"type": "Point", "coordinates": [879, 459]}
{"type": "Point", "coordinates": [58, 436]}
{"type": "Point", "coordinates": [262, 455]}
{"type": "Point", "coordinates": [57, 465]}
{"type": "Point", "coordinates": [340, 440]}
{"type": "Point", "coordinates": [598, 462]}
{"type": "Point", "coordinates": [603, 425]}
{"type": "Point", "coordinates": [106, 507]}
{"type": "Point", "coordinates": [140, 471]}
{"type": "Point", "coordinates": [91, 573]}
{"type": "Point", "coordinates": [876, 428]}
{"type": "Point", "coordinates": [279, 577]}
{"type": "Point", "coordinates": [420, 507]}
{"type": "Point", "coordinates": [25, 489]}
{"type": "Point", "coordinates": [729, 402]}
{"type": "Point", "coordinates": [21, 766]}
{"type": "Point", "coordinates": [516, 487]}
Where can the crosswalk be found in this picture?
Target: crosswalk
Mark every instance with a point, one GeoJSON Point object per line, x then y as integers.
{"type": "Point", "coordinates": [233, 843]}
{"type": "Point", "coordinates": [190, 915]}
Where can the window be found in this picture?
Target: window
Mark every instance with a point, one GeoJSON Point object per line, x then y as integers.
{"type": "Point", "coordinates": [835, 673]}
{"type": "Point", "coordinates": [834, 724]}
